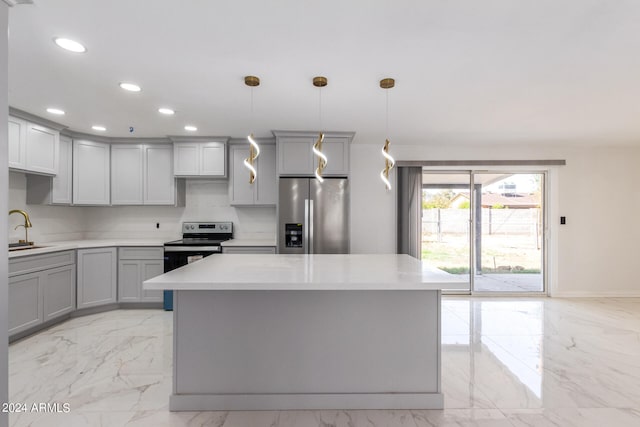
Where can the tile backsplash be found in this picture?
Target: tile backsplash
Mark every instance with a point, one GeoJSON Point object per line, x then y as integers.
{"type": "Point", "coordinates": [206, 200]}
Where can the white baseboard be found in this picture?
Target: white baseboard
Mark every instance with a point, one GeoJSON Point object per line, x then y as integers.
{"type": "Point", "coordinates": [597, 294]}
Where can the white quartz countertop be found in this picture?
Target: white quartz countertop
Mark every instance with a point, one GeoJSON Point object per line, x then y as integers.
{"type": "Point", "coordinates": [249, 242]}
{"type": "Point", "coordinates": [84, 244]}
{"type": "Point", "coordinates": [306, 272]}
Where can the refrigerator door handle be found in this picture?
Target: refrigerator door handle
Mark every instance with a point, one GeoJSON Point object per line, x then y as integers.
{"type": "Point", "coordinates": [310, 226]}
{"type": "Point", "coordinates": [305, 225]}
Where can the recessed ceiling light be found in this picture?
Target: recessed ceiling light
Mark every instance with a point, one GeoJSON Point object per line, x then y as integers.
{"type": "Point", "coordinates": [167, 111]}
{"type": "Point", "coordinates": [190, 128]}
{"type": "Point", "coordinates": [70, 45]}
{"type": "Point", "coordinates": [130, 87]}
{"type": "Point", "coordinates": [55, 111]}
{"type": "Point", "coordinates": [99, 128]}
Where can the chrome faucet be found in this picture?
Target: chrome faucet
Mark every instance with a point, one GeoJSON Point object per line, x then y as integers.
{"type": "Point", "coordinates": [26, 225]}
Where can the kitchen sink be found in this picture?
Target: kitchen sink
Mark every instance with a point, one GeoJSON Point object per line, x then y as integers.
{"type": "Point", "coordinates": [22, 247]}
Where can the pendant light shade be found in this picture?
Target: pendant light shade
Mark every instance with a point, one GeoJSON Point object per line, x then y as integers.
{"type": "Point", "coordinates": [254, 152]}
{"type": "Point", "coordinates": [254, 149]}
{"type": "Point", "coordinates": [320, 82]}
{"type": "Point", "coordinates": [389, 161]}
{"type": "Point", "coordinates": [322, 158]}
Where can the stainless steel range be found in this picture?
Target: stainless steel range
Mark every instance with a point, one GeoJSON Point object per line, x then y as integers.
{"type": "Point", "coordinates": [199, 240]}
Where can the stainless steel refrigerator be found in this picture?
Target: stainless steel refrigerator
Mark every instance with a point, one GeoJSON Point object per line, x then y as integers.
{"type": "Point", "coordinates": [313, 216]}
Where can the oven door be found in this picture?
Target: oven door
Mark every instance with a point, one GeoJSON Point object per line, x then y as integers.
{"type": "Point", "coordinates": [179, 256]}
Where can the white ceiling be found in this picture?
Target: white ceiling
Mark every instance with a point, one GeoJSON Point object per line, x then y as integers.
{"type": "Point", "coordinates": [499, 71]}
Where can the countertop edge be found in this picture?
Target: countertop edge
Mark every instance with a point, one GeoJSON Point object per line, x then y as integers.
{"type": "Point", "coordinates": [436, 286]}
{"type": "Point", "coordinates": [51, 247]}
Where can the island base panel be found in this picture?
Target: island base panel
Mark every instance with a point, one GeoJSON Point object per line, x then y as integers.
{"type": "Point", "coordinates": [306, 350]}
{"type": "Point", "coordinates": [284, 402]}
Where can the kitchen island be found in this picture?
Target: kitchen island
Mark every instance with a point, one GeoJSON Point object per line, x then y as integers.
{"type": "Point", "coordinates": [259, 332]}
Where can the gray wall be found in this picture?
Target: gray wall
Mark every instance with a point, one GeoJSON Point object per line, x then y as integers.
{"type": "Point", "coordinates": [4, 185]}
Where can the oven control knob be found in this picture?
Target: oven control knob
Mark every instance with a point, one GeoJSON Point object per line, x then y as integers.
{"type": "Point", "coordinates": [192, 227]}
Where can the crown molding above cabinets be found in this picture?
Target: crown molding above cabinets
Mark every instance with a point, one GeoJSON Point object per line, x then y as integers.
{"type": "Point", "coordinates": [12, 3]}
{"type": "Point", "coordinates": [36, 119]}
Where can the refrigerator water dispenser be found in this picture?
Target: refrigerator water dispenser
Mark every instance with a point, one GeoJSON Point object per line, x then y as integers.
{"type": "Point", "coordinates": [293, 235]}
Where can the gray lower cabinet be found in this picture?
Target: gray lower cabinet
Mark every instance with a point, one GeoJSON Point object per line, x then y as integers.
{"type": "Point", "coordinates": [97, 278]}
{"type": "Point", "coordinates": [41, 288]}
{"type": "Point", "coordinates": [249, 250]}
{"type": "Point", "coordinates": [135, 265]}
{"type": "Point", "coordinates": [25, 302]}
{"type": "Point", "coordinates": [59, 292]}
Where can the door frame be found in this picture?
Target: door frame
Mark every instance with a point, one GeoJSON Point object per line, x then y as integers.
{"type": "Point", "coordinates": [549, 210]}
{"type": "Point", "coordinates": [544, 261]}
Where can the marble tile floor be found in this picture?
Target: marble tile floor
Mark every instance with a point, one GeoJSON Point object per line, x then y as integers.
{"type": "Point", "coordinates": [506, 362]}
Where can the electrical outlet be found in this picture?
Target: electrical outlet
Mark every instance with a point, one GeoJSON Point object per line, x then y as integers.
{"type": "Point", "coordinates": [157, 225]}
{"type": "Point", "coordinates": [563, 220]}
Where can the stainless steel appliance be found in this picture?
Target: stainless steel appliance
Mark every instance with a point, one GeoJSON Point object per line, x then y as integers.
{"type": "Point", "coordinates": [313, 216]}
{"type": "Point", "coordinates": [199, 240]}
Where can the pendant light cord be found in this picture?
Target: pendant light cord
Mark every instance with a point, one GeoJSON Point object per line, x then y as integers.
{"type": "Point", "coordinates": [387, 115]}
{"type": "Point", "coordinates": [320, 107]}
{"type": "Point", "coordinates": [251, 113]}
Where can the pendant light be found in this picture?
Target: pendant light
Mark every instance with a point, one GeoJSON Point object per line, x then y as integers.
{"type": "Point", "coordinates": [320, 82]}
{"type": "Point", "coordinates": [389, 162]}
{"type": "Point", "coordinates": [254, 149]}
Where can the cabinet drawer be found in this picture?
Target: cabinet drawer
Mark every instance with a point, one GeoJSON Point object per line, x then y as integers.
{"type": "Point", "coordinates": [33, 263]}
{"type": "Point", "coordinates": [141, 253]}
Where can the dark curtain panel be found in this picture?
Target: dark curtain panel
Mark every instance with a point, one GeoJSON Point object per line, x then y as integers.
{"type": "Point", "coordinates": [410, 211]}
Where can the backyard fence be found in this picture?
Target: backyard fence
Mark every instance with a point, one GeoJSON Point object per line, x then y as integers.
{"type": "Point", "coordinates": [494, 221]}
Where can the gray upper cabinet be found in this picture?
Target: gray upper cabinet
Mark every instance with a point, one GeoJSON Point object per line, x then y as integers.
{"type": "Point", "coordinates": [42, 149]}
{"type": "Point", "coordinates": [97, 278]}
{"type": "Point", "coordinates": [61, 184]}
{"type": "Point", "coordinates": [263, 191]}
{"type": "Point", "coordinates": [296, 158]}
{"type": "Point", "coordinates": [159, 182]}
{"type": "Point", "coordinates": [17, 138]}
{"type": "Point", "coordinates": [186, 159]}
{"type": "Point", "coordinates": [127, 174]}
{"type": "Point", "coordinates": [212, 158]}
{"type": "Point", "coordinates": [32, 147]}
{"type": "Point", "coordinates": [46, 190]}
{"type": "Point", "coordinates": [103, 174]}
{"type": "Point", "coordinates": [91, 173]}
{"type": "Point", "coordinates": [142, 174]}
{"type": "Point", "coordinates": [202, 158]}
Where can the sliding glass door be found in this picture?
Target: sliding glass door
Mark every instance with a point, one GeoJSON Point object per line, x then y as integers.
{"type": "Point", "coordinates": [486, 227]}
{"type": "Point", "coordinates": [446, 223]}
{"type": "Point", "coordinates": [510, 231]}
